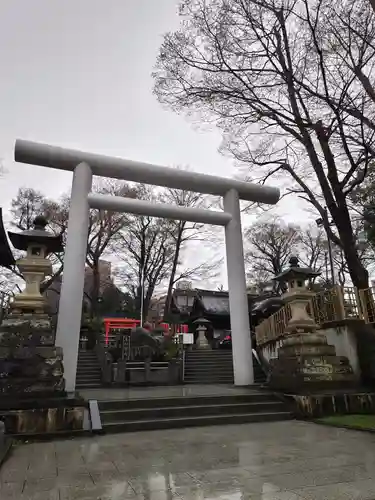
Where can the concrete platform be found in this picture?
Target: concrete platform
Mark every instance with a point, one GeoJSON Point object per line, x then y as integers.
{"type": "Point", "coordinates": [177, 391]}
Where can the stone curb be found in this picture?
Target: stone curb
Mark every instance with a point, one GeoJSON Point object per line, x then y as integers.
{"type": "Point", "coordinates": [58, 435]}
{"type": "Point", "coordinates": [5, 450]}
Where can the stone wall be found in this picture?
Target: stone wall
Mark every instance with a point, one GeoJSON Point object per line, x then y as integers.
{"type": "Point", "coordinates": [344, 340]}
{"type": "Point", "coordinates": [339, 403]}
{"type": "Point", "coordinates": [43, 416]}
{"type": "Point", "coordinates": [147, 373]}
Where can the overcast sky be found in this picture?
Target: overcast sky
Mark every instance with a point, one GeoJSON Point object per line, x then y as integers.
{"type": "Point", "coordinates": [77, 73]}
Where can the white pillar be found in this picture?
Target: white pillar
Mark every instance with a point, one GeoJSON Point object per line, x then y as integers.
{"type": "Point", "coordinates": [239, 311]}
{"type": "Point", "coordinates": [71, 296]}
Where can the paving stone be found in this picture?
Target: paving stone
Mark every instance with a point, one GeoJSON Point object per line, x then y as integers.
{"type": "Point", "coordinates": [270, 461]}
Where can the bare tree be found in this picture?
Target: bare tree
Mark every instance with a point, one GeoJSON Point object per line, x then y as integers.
{"type": "Point", "coordinates": [181, 232]}
{"type": "Point", "coordinates": [268, 248]}
{"type": "Point", "coordinates": [104, 228]}
{"type": "Point", "coordinates": [289, 83]}
{"type": "Point", "coordinates": [147, 249]}
{"type": "Point", "coordinates": [313, 247]}
{"type": "Point", "coordinates": [104, 233]}
{"type": "Point", "coordinates": [27, 204]}
{"type": "Point", "coordinates": [270, 244]}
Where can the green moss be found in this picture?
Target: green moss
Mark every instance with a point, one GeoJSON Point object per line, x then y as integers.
{"type": "Point", "coordinates": [355, 421]}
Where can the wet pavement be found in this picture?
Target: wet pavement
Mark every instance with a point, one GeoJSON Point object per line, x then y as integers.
{"type": "Point", "coordinates": [271, 461]}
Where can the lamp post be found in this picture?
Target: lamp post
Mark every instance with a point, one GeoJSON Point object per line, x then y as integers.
{"type": "Point", "coordinates": [320, 223]}
{"type": "Point", "coordinates": [142, 293]}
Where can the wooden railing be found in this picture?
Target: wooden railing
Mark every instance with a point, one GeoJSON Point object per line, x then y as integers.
{"type": "Point", "coordinates": [367, 301]}
{"type": "Point", "coordinates": [336, 304]}
{"type": "Point", "coordinates": [273, 328]}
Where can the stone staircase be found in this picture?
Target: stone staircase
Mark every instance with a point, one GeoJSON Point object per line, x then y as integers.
{"type": "Point", "coordinates": [192, 411]}
{"type": "Point", "coordinates": [88, 370]}
{"type": "Point", "coordinates": [214, 367]}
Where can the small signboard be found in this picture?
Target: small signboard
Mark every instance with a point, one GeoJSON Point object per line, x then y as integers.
{"type": "Point", "coordinates": [188, 338]}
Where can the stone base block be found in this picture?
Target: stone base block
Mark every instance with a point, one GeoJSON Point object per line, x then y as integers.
{"type": "Point", "coordinates": [310, 371]}
{"type": "Point", "coordinates": [42, 415]}
{"type": "Point", "coordinates": [27, 369]}
{"type": "Point", "coordinates": [47, 420]}
{"type": "Point", "coordinates": [307, 350]}
{"type": "Point", "coordinates": [334, 403]}
{"type": "Point", "coordinates": [32, 304]}
{"type": "Point", "coordinates": [26, 330]}
{"type": "Point", "coordinates": [29, 361]}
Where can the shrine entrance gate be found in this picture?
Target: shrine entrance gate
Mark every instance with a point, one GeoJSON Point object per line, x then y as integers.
{"type": "Point", "coordinates": [84, 166]}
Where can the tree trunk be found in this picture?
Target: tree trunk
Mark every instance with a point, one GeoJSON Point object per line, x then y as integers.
{"type": "Point", "coordinates": [95, 288]}
{"type": "Point", "coordinates": [357, 271]}
{"type": "Point", "coordinates": [147, 300]}
{"type": "Point", "coordinates": [168, 301]}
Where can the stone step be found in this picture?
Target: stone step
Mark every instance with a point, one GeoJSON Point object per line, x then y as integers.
{"type": "Point", "coordinates": [208, 376]}
{"type": "Point", "coordinates": [124, 415]}
{"type": "Point", "coordinates": [204, 372]}
{"type": "Point", "coordinates": [96, 380]}
{"type": "Point", "coordinates": [208, 365]}
{"type": "Point", "coordinates": [96, 373]}
{"type": "Point", "coordinates": [88, 385]}
{"type": "Point", "coordinates": [254, 396]}
{"type": "Point", "coordinates": [88, 370]}
{"type": "Point", "coordinates": [196, 421]}
{"type": "Point", "coordinates": [209, 381]}
{"type": "Point", "coordinates": [198, 355]}
{"type": "Point", "coordinates": [91, 368]}
{"type": "Point", "coordinates": [209, 352]}
{"type": "Point", "coordinates": [178, 412]}
{"type": "Point", "coordinates": [211, 362]}
{"type": "Point", "coordinates": [82, 376]}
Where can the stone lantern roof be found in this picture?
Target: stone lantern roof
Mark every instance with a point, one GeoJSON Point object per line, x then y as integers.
{"type": "Point", "coordinates": [295, 272]}
{"type": "Point", "coordinates": [38, 235]}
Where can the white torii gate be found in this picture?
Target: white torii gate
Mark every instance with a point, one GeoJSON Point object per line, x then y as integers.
{"type": "Point", "coordinates": [84, 166]}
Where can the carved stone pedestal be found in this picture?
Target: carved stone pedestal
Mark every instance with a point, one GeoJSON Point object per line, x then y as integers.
{"type": "Point", "coordinates": [30, 364]}
{"type": "Point", "coordinates": [32, 397]}
{"type": "Point", "coordinates": [307, 363]}
{"type": "Point", "coordinates": [202, 342]}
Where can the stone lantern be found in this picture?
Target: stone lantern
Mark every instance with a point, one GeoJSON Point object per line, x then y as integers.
{"type": "Point", "coordinates": [305, 360]}
{"type": "Point", "coordinates": [202, 328]}
{"type": "Point", "coordinates": [30, 363]}
{"type": "Point", "coordinates": [35, 266]}
{"type": "Point", "coordinates": [298, 296]}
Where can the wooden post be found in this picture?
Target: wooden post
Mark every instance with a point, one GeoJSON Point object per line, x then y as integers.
{"type": "Point", "coordinates": [360, 308]}
{"type": "Point", "coordinates": [340, 302]}
{"type": "Point", "coordinates": [364, 304]}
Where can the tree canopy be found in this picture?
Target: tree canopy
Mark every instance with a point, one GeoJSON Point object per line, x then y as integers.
{"type": "Point", "coordinates": [289, 84]}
